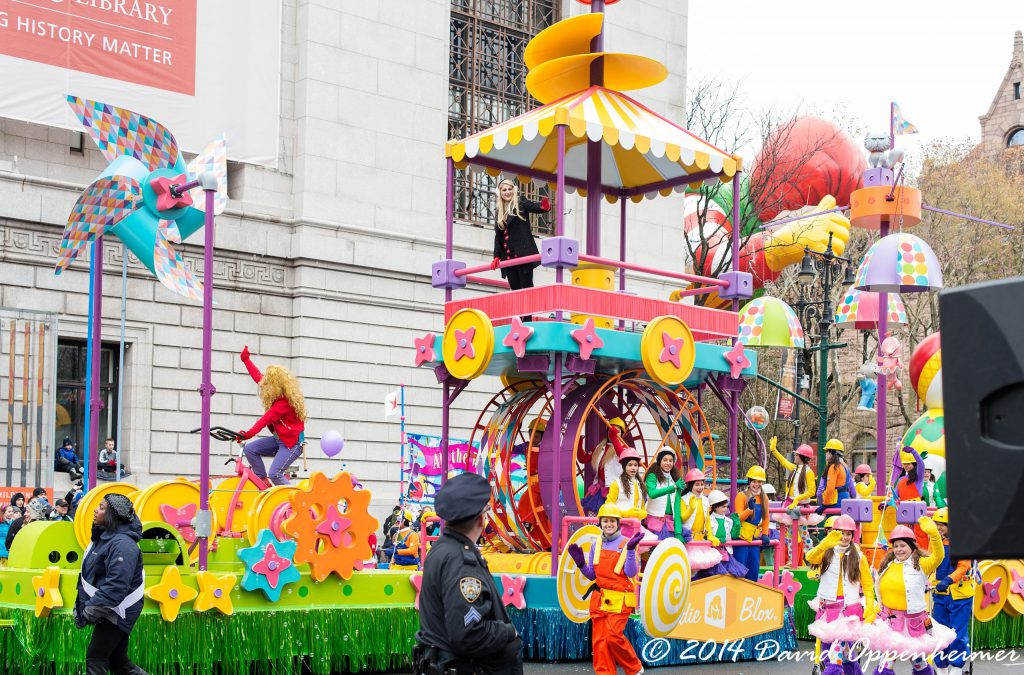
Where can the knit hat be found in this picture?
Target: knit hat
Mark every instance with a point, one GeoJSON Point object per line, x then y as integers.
{"type": "Point", "coordinates": [121, 506]}
{"type": "Point", "coordinates": [39, 510]}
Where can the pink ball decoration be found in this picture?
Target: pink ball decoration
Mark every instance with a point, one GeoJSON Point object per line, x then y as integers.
{"type": "Point", "coordinates": [332, 443]}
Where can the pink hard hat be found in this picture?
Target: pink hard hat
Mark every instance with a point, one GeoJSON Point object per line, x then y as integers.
{"type": "Point", "coordinates": [628, 454]}
{"type": "Point", "coordinates": [845, 523]}
{"type": "Point", "coordinates": [862, 469]}
{"type": "Point", "coordinates": [805, 450]}
{"type": "Point", "coordinates": [905, 533]}
{"type": "Point", "coordinates": [692, 475]}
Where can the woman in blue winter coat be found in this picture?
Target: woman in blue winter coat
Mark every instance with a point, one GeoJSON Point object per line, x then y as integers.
{"type": "Point", "coordinates": [111, 586]}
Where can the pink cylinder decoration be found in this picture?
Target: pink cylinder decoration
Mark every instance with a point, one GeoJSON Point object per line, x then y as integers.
{"type": "Point", "coordinates": [859, 310]}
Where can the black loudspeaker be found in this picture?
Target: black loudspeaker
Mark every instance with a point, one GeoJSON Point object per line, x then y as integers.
{"type": "Point", "coordinates": [983, 390]}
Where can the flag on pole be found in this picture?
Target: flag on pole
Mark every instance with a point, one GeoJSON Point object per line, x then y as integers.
{"type": "Point", "coordinates": [391, 404]}
{"type": "Point", "coordinates": [899, 125]}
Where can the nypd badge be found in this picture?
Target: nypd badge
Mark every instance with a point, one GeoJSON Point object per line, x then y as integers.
{"type": "Point", "coordinates": [470, 588]}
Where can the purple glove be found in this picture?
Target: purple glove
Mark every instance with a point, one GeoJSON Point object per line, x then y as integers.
{"type": "Point", "coordinates": [576, 553]}
{"type": "Point", "coordinates": [634, 540]}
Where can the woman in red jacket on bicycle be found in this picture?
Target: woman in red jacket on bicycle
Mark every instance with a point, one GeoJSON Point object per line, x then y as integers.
{"type": "Point", "coordinates": [285, 418]}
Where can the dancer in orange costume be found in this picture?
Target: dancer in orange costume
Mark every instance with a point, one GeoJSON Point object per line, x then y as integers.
{"type": "Point", "coordinates": [612, 567]}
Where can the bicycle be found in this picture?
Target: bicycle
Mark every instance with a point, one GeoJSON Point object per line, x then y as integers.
{"type": "Point", "coordinates": [232, 496]}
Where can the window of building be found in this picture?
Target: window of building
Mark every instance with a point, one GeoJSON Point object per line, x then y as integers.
{"type": "Point", "coordinates": [1016, 139]}
{"type": "Point", "coordinates": [71, 404]}
{"type": "Point", "coordinates": [1016, 91]}
{"type": "Point", "coordinates": [487, 85]}
{"type": "Point", "coordinates": [863, 451]}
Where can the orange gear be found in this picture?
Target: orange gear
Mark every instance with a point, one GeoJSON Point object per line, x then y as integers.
{"type": "Point", "coordinates": [316, 508]}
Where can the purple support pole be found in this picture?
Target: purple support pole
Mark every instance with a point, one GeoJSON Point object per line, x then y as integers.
{"type": "Point", "coordinates": [556, 464]}
{"type": "Point", "coordinates": [892, 127]}
{"type": "Point", "coordinates": [449, 227]}
{"type": "Point", "coordinates": [560, 202]}
{"type": "Point", "coordinates": [734, 395]}
{"type": "Point", "coordinates": [206, 389]}
{"type": "Point", "coordinates": [594, 148]}
{"type": "Point", "coordinates": [622, 250]}
{"type": "Point", "coordinates": [882, 480]}
{"type": "Point", "coordinates": [96, 403]}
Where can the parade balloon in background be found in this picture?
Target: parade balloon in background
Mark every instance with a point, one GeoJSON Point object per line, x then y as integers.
{"type": "Point", "coordinates": [928, 433]}
{"type": "Point", "coordinates": [332, 443]}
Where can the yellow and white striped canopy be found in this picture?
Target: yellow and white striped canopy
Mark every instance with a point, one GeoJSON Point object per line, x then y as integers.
{"type": "Point", "coordinates": [641, 150]}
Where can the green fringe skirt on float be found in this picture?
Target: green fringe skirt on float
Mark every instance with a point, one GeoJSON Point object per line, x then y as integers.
{"type": "Point", "coordinates": [327, 640]}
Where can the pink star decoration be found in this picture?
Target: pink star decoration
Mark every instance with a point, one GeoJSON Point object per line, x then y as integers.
{"type": "Point", "coordinates": [334, 525]}
{"type": "Point", "coordinates": [180, 519]}
{"type": "Point", "coordinates": [991, 594]}
{"type": "Point", "coordinates": [164, 198]}
{"type": "Point", "coordinates": [737, 360]}
{"type": "Point", "coordinates": [512, 591]}
{"type": "Point", "coordinates": [416, 580]}
{"type": "Point", "coordinates": [517, 336]}
{"type": "Point", "coordinates": [670, 349]}
{"type": "Point", "coordinates": [587, 338]}
{"type": "Point", "coordinates": [424, 349]}
{"type": "Point", "coordinates": [272, 565]}
{"type": "Point", "coordinates": [1017, 585]}
{"type": "Point", "coordinates": [464, 343]}
{"type": "Point", "coordinates": [787, 584]}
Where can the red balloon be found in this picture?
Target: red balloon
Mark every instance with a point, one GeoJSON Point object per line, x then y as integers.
{"type": "Point", "coordinates": [924, 350]}
{"type": "Point", "coordinates": [801, 162]}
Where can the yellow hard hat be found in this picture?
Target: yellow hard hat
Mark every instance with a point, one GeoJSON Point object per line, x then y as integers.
{"type": "Point", "coordinates": [836, 445]}
{"type": "Point", "coordinates": [538, 424]}
{"type": "Point", "coordinates": [829, 522]}
{"type": "Point", "coordinates": [756, 473]}
{"type": "Point", "coordinates": [407, 515]}
{"type": "Point", "coordinates": [941, 515]}
{"type": "Point", "coordinates": [907, 458]}
{"type": "Point", "coordinates": [609, 511]}
{"type": "Point", "coordinates": [617, 422]}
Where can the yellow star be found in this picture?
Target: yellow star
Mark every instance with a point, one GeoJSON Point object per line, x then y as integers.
{"type": "Point", "coordinates": [47, 591]}
{"type": "Point", "coordinates": [214, 591]}
{"type": "Point", "coordinates": [170, 593]}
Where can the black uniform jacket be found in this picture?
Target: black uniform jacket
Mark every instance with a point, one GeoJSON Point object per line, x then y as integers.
{"type": "Point", "coordinates": [519, 241]}
{"type": "Point", "coordinates": [461, 612]}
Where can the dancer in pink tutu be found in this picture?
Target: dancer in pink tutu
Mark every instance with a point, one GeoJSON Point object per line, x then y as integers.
{"type": "Point", "coordinates": [695, 513]}
{"type": "Point", "coordinates": [843, 571]}
{"type": "Point", "coordinates": [902, 594]}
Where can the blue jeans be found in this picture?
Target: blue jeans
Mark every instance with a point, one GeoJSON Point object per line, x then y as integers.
{"type": "Point", "coordinates": [955, 614]}
{"type": "Point", "coordinates": [271, 446]}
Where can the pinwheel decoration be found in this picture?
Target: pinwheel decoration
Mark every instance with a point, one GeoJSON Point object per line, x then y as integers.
{"type": "Point", "coordinates": [137, 199]}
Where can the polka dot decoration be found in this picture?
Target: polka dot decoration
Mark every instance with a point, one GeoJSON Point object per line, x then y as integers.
{"type": "Point", "coordinates": [899, 263]}
{"type": "Point", "coordinates": [859, 310]}
{"type": "Point", "coordinates": [769, 322]}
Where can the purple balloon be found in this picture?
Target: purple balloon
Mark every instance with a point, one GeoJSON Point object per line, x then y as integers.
{"type": "Point", "coordinates": [332, 443]}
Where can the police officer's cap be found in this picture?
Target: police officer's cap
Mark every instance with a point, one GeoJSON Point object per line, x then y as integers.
{"type": "Point", "coordinates": [463, 496]}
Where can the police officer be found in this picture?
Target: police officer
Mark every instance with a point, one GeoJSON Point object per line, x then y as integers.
{"type": "Point", "coordinates": [464, 628]}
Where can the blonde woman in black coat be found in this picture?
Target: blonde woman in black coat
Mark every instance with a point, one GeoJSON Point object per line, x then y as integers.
{"type": "Point", "coordinates": [512, 235]}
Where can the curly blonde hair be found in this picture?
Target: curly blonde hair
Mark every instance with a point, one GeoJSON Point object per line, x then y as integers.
{"type": "Point", "coordinates": [277, 383]}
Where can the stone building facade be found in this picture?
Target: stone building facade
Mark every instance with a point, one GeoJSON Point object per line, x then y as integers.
{"type": "Point", "coordinates": [323, 264]}
{"type": "Point", "coordinates": [1003, 125]}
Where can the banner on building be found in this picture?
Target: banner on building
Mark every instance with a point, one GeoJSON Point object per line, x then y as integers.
{"type": "Point", "coordinates": [28, 414]}
{"type": "Point", "coordinates": [785, 407]}
{"type": "Point", "coordinates": [199, 67]}
{"type": "Point", "coordinates": [422, 469]}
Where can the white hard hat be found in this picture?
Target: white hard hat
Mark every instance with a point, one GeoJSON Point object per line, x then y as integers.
{"type": "Point", "coordinates": [768, 488]}
{"type": "Point", "coordinates": [716, 497]}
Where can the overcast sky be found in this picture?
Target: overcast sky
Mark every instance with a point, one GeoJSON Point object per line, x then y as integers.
{"type": "Point", "coordinates": [941, 60]}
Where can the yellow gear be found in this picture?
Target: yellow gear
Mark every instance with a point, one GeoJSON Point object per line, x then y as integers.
{"type": "Point", "coordinates": [835, 444]}
{"type": "Point", "coordinates": [907, 458]}
{"type": "Point", "coordinates": [756, 473]}
{"type": "Point", "coordinates": [941, 516]}
{"type": "Point", "coordinates": [609, 511]}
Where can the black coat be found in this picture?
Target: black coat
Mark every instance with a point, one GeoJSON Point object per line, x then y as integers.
{"type": "Point", "coordinates": [516, 240]}
{"type": "Point", "coordinates": [12, 532]}
{"type": "Point", "coordinates": [114, 567]}
{"type": "Point", "coordinates": [461, 612]}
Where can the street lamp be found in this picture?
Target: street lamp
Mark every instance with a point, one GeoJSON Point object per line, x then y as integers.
{"type": "Point", "coordinates": [825, 267]}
